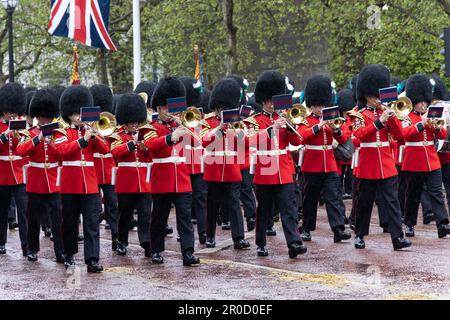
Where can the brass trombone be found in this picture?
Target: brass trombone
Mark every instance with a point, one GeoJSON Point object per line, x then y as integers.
{"type": "Point", "coordinates": [106, 125]}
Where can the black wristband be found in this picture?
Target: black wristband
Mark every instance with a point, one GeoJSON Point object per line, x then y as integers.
{"type": "Point", "coordinates": [83, 144]}
{"type": "Point", "coordinates": [3, 138]}
{"type": "Point", "coordinates": [131, 146]}
{"type": "Point", "coordinates": [36, 141]}
{"type": "Point", "coordinates": [169, 141]}
{"type": "Point", "coordinates": [316, 129]}
{"type": "Point", "coordinates": [378, 124]}
{"type": "Point", "coordinates": [420, 127]}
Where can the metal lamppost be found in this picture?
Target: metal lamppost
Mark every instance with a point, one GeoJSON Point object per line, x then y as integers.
{"type": "Point", "coordinates": [10, 6]}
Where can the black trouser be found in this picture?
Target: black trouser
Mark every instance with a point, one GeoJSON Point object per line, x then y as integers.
{"type": "Point", "coordinates": [312, 185]}
{"type": "Point", "coordinates": [386, 189]}
{"type": "Point", "coordinates": [347, 178]}
{"type": "Point", "coordinates": [227, 193]}
{"type": "Point", "coordinates": [401, 189]}
{"type": "Point", "coordinates": [426, 201]}
{"type": "Point", "coordinates": [111, 207]}
{"type": "Point", "coordinates": [355, 197]}
{"type": "Point", "coordinates": [161, 210]}
{"type": "Point", "coordinates": [199, 193]}
{"type": "Point", "coordinates": [340, 199]}
{"type": "Point", "coordinates": [142, 202]}
{"type": "Point", "coordinates": [382, 210]}
{"type": "Point", "coordinates": [298, 189]}
{"type": "Point", "coordinates": [72, 206]}
{"type": "Point", "coordinates": [282, 196]}
{"type": "Point", "coordinates": [46, 219]}
{"type": "Point", "coordinates": [12, 210]}
{"type": "Point", "coordinates": [446, 180]}
{"type": "Point", "coordinates": [20, 195]}
{"type": "Point", "coordinates": [414, 185]}
{"type": "Point", "coordinates": [39, 205]}
{"type": "Point", "coordinates": [247, 196]}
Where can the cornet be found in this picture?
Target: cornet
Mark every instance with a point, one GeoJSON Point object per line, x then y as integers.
{"type": "Point", "coordinates": [336, 123]}
{"type": "Point", "coordinates": [106, 125]}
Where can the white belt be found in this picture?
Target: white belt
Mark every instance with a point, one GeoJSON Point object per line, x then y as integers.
{"type": "Point", "coordinates": [221, 153]}
{"type": "Point", "coordinates": [10, 158]}
{"type": "Point", "coordinates": [170, 160]}
{"type": "Point", "coordinates": [102, 156]}
{"type": "Point", "coordinates": [189, 147]}
{"type": "Point", "coordinates": [271, 152]}
{"type": "Point", "coordinates": [319, 148]}
{"type": "Point", "coordinates": [77, 164]}
{"type": "Point", "coordinates": [375, 144]}
{"type": "Point", "coordinates": [133, 164]}
{"type": "Point", "coordinates": [419, 144]}
{"type": "Point", "coordinates": [43, 165]}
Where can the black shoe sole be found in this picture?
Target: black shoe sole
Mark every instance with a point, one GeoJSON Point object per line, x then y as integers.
{"type": "Point", "coordinates": [262, 254]}
{"type": "Point", "coordinates": [360, 247]}
{"type": "Point", "coordinates": [157, 262]}
{"type": "Point", "coordinates": [402, 247]}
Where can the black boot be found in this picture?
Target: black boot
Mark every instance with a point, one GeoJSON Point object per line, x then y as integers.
{"type": "Point", "coordinates": [189, 258]}
{"type": "Point", "coordinates": [400, 243]}
{"type": "Point", "coordinates": [69, 262]}
{"type": "Point", "coordinates": [241, 244]}
{"type": "Point", "coordinates": [157, 258]}
{"type": "Point", "coordinates": [428, 217]}
{"type": "Point", "coordinates": [32, 256]}
{"type": "Point", "coordinates": [121, 249]}
{"type": "Point", "coordinates": [359, 243]}
{"type": "Point", "coordinates": [47, 232]}
{"type": "Point", "coordinates": [251, 224]}
{"type": "Point", "coordinates": [443, 230]}
{"type": "Point", "coordinates": [114, 243]}
{"type": "Point", "coordinates": [169, 230]}
{"type": "Point", "coordinates": [2, 249]}
{"type": "Point", "coordinates": [271, 232]}
{"type": "Point", "coordinates": [202, 238]}
{"type": "Point", "coordinates": [262, 252]}
{"type": "Point", "coordinates": [210, 242]}
{"type": "Point", "coordinates": [296, 248]}
{"type": "Point", "coordinates": [94, 266]}
{"type": "Point", "coordinates": [306, 236]}
{"type": "Point", "coordinates": [340, 235]}
{"type": "Point", "coordinates": [409, 231]}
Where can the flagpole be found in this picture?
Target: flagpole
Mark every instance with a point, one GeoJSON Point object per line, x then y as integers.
{"type": "Point", "coordinates": [136, 43]}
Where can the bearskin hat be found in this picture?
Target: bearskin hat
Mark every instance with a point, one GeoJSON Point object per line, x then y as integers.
{"type": "Point", "coordinates": [167, 88]}
{"type": "Point", "coordinates": [12, 98]}
{"type": "Point", "coordinates": [371, 79]}
{"type": "Point", "coordinates": [74, 98]}
{"type": "Point", "coordinates": [59, 90]}
{"type": "Point", "coordinates": [193, 94]}
{"type": "Point", "coordinates": [131, 109]}
{"type": "Point", "coordinates": [45, 103]}
{"type": "Point", "coordinates": [419, 88]}
{"type": "Point", "coordinates": [440, 89]}
{"type": "Point", "coordinates": [243, 83]}
{"type": "Point", "coordinates": [103, 97]}
{"type": "Point", "coordinates": [270, 83]}
{"type": "Point", "coordinates": [346, 101]}
{"type": "Point", "coordinates": [318, 91]}
{"type": "Point", "coordinates": [147, 87]}
{"type": "Point", "coordinates": [226, 95]}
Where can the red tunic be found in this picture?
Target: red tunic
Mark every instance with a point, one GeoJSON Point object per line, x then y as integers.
{"type": "Point", "coordinates": [375, 155]}
{"type": "Point", "coordinates": [274, 164]}
{"type": "Point", "coordinates": [104, 164]}
{"type": "Point", "coordinates": [78, 174]}
{"type": "Point", "coordinates": [11, 163]}
{"type": "Point", "coordinates": [318, 155]}
{"type": "Point", "coordinates": [420, 152]}
{"type": "Point", "coordinates": [132, 164]}
{"type": "Point", "coordinates": [43, 163]}
{"type": "Point", "coordinates": [169, 172]}
{"type": "Point", "coordinates": [224, 154]}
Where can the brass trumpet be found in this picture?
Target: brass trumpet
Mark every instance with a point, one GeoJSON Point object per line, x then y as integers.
{"type": "Point", "coordinates": [106, 125]}
{"type": "Point", "coordinates": [191, 118]}
{"type": "Point", "coordinates": [438, 124]}
{"type": "Point", "coordinates": [336, 123]}
{"type": "Point", "coordinates": [402, 107]}
{"type": "Point", "coordinates": [237, 125]}
{"type": "Point", "coordinates": [297, 114]}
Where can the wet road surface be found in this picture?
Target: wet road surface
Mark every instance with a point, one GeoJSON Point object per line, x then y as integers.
{"type": "Point", "coordinates": [327, 271]}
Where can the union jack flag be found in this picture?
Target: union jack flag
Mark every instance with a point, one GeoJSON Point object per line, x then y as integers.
{"type": "Point", "coordinates": [85, 21]}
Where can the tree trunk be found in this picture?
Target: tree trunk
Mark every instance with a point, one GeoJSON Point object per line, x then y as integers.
{"type": "Point", "coordinates": [231, 29]}
{"type": "Point", "coordinates": [101, 68]}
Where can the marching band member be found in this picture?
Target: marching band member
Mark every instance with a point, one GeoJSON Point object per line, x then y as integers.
{"type": "Point", "coordinates": [376, 166]}
{"type": "Point", "coordinates": [170, 182]}
{"type": "Point", "coordinates": [43, 193]}
{"type": "Point", "coordinates": [104, 164]}
{"type": "Point", "coordinates": [194, 160]}
{"type": "Point", "coordinates": [131, 183]}
{"type": "Point", "coordinates": [319, 164]}
{"type": "Point", "coordinates": [76, 146]}
{"type": "Point", "coordinates": [222, 165]}
{"type": "Point", "coordinates": [12, 104]}
{"type": "Point", "coordinates": [421, 163]}
{"type": "Point", "coordinates": [274, 167]}
{"type": "Point", "coordinates": [148, 87]}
